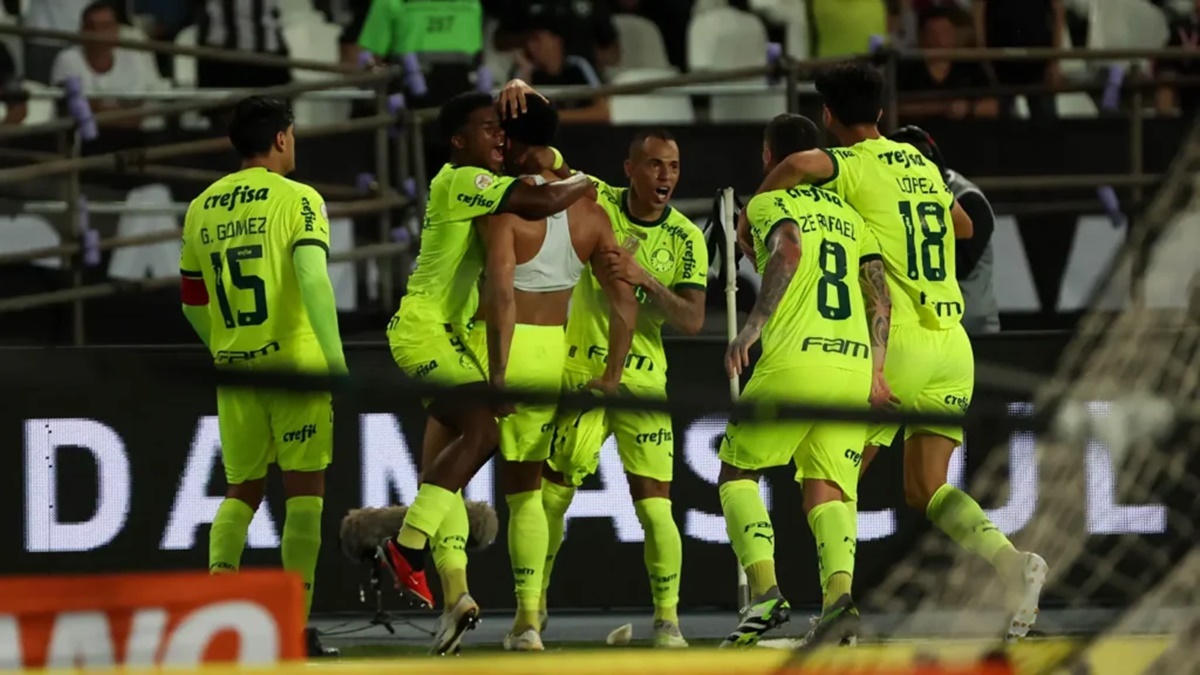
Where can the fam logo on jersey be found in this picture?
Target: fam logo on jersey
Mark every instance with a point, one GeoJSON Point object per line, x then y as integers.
{"type": "Point", "coordinates": [662, 260]}
{"type": "Point", "coordinates": [483, 181]}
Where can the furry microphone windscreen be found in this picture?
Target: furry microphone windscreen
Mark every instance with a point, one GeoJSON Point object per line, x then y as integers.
{"type": "Point", "coordinates": [364, 529]}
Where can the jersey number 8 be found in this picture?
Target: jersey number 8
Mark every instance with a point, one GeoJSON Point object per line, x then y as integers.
{"type": "Point", "coordinates": [246, 282]}
{"type": "Point", "coordinates": [833, 278]}
{"type": "Point", "coordinates": [933, 230]}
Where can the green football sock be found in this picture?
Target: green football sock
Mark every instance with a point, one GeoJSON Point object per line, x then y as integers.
{"type": "Point", "coordinates": [960, 517]}
{"type": "Point", "coordinates": [663, 551]}
{"type": "Point", "coordinates": [750, 532]}
{"type": "Point", "coordinates": [302, 542]}
{"type": "Point", "coordinates": [527, 541]}
{"type": "Point", "coordinates": [833, 528]}
{"type": "Point", "coordinates": [425, 515]}
{"type": "Point", "coordinates": [227, 538]}
{"type": "Point", "coordinates": [556, 499]}
{"type": "Point", "coordinates": [450, 551]}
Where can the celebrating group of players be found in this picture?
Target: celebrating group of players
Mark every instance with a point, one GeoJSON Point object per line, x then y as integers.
{"type": "Point", "coordinates": [532, 276]}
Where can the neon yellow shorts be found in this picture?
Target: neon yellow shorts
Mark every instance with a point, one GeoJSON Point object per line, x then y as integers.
{"type": "Point", "coordinates": [535, 363]}
{"type": "Point", "coordinates": [820, 450]}
{"type": "Point", "coordinates": [438, 353]}
{"type": "Point", "coordinates": [260, 428]}
{"type": "Point", "coordinates": [930, 371]}
{"type": "Point", "coordinates": [644, 438]}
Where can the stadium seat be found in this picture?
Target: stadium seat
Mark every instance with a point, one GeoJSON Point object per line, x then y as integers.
{"type": "Point", "coordinates": [703, 6]}
{"type": "Point", "coordinates": [41, 109]}
{"type": "Point", "coordinates": [499, 63]}
{"type": "Point", "coordinates": [724, 39]}
{"type": "Point", "coordinates": [343, 275]}
{"type": "Point", "coordinates": [155, 261]}
{"type": "Point", "coordinates": [27, 232]}
{"type": "Point", "coordinates": [1076, 104]}
{"type": "Point", "coordinates": [1126, 24]}
{"type": "Point", "coordinates": [185, 66]}
{"type": "Point", "coordinates": [793, 16]}
{"type": "Point", "coordinates": [317, 40]}
{"type": "Point", "coordinates": [297, 11]}
{"type": "Point", "coordinates": [650, 109]}
{"type": "Point", "coordinates": [641, 42]}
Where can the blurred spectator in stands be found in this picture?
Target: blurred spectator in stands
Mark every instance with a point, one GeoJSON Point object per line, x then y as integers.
{"type": "Point", "coordinates": [243, 25]}
{"type": "Point", "coordinates": [60, 15]}
{"type": "Point", "coordinates": [104, 69]}
{"type": "Point", "coordinates": [13, 96]}
{"type": "Point", "coordinates": [447, 36]}
{"type": "Point", "coordinates": [671, 17]}
{"type": "Point", "coordinates": [586, 26]}
{"type": "Point", "coordinates": [161, 19]}
{"type": "Point", "coordinates": [1017, 24]}
{"type": "Point", "coordinates": [845, 27]}
{"type": "Point", "coordinates": [941, 28]}
{"type": "Point", "coordinates": [904, 15]}
{"type": "Point", "coordinates": [1185, 33]}
{"type": "Point", "coordinates": [544, 62]}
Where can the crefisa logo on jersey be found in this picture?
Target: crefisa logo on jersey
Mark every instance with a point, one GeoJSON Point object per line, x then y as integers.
{"type": "Point", "coordinates": [242, 194]}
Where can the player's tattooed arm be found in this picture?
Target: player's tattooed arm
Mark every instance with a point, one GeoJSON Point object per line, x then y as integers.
{"type": "Point", "coordinates": [877, 300]}
{"type": "Point", "coordinates": [810, 166]}
{"type": "Point", "coordinates": [683, 308]}
{"type": "Point", "coordinates": [499, 296]}
{"type": "Point", "coordinates": [784, 259]}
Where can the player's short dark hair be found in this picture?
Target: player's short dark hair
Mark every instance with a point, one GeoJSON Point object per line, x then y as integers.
{"type": "Point", "coordinates": [643, 135]}
{"type": "Point", "coordinates": [789, 133]}
{"type": "Point", "coordinates": [454, 113]}
{"type": "Point", "coordinates": [934, 13]}
{"type": "Point", "coordinates": [538, 125]}
{"type": "Point", "coordinates": [922, 141]}
{"type": "Point", "coordinates": [97, 6]}
{"type": "Point", "coordinates": [256, 122]}
{"type": "Point", "coordinates": [853, 92]}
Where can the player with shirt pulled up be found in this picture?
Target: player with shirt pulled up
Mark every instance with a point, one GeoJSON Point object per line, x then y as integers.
{"type": "Point", "coordinates": [430, 341]}
{"type": "Point", "coordinates": [820, 343]}
{"type": "Point", "coordinates": [930, 365]}
{"type": "Point", "coordinates": [532, 268]}
{"type": "Point", "coordinates": [258, 244]}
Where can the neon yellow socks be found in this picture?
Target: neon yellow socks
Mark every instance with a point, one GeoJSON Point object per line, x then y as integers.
{"type": "Point", "coordinates": [750, 532]}
{"type": "Point", "coordinates": [227, 538]}
{"type": "Point", "coordinates": [833, 527]}
{"type": "Point", "coordinates": [663, 552]}
{"type": "Point", "coordinates": [556, 499]}
{"type": "Point", "coordinates": [960, 517]}
{"type": "Point", "coordinates": [450, 551]}
{"type": "Point", "coordinates": [302, 541]}
{"type": "Point", "coordinates": [425, 515]}
{"type": "Point", "coordinates": [527, 542]}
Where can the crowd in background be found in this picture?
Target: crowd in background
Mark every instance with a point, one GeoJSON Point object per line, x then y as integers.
{"type": "Point", "coordinates": [568, 42]}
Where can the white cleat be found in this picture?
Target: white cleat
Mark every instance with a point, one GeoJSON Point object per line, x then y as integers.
{"type": "Point", "coordinates": [1033, 578]}
{"type": "Point", "coordinates": [453, 623]}
{"type": "Point", "coordinates": [668, 636]}
{"type": "Point", "coordinates": [529, 641]}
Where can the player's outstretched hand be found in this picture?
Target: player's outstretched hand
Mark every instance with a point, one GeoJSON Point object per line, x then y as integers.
{"type": "Point", "coordinates": [621, 265]}
{"type": "Point", "coordinates": [881, 393]}
{"type": "Point", "coordinates": [737, 357]}
{"type": "Point", "coordinates": [511, 101]}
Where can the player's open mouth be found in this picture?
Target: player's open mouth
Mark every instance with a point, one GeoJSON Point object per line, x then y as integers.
{"type": "Point", "coordinates": [498, 155]}
{"type": "Point", "coordinates": [663, 192]}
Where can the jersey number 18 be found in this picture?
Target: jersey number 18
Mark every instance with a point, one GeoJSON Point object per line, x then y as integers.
{"type": "Point", "coordinates": [932, 218]}
{"type": "Point", "coordinates": [233, 258]}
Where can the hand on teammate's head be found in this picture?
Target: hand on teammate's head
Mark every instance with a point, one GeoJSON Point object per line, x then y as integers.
{"type": "Point", "coordinates": [512, 100]}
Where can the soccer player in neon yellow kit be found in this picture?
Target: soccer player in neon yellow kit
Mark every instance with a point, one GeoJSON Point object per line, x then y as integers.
{"type": "Point", "coordinates": [430, 342]}
{"type": "Point", "coordinates": [258, 243]}
{"type": "Point", "coordinates": [820, 344]}
{"type": "Point", "coordinates": [665, 257]}
{"type": "Point", "coordinates": [930, 365]}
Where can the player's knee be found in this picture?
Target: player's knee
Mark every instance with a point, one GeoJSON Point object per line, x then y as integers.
{"type": "Point", "coordinates": [918, 490]}
{"type": "Point", "coordinates": [731, 473]}
{"type": "Point", "coordinates": [482, 434]}
{"type": "Point", "coordinates": [642, 487]}
{"type": "Point", "coordinates": [251, 492]}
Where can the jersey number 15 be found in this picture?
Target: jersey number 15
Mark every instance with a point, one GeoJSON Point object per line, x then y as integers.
{"type": "Point", "coordinates": [233, 259]}
{"type": "Point", "coordinates": [932, 219]}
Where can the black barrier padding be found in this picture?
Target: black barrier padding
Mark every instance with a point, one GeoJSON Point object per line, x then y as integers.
{"type": "Point", "coordinates": [126, 401]}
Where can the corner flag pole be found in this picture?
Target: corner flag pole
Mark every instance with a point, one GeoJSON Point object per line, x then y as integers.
{"type": "Point", "coordinates": [729, 224]}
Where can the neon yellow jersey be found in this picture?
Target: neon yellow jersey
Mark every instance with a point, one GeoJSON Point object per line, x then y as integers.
{"type": "Point", "coordinates": [820, 320]}
{"type": "Point", "coordinates": [444, 287]}
{"type": "Point", "coordinates": [672, 250]}
{"type": "Point", "coordinates": [905, 201]}
{"type": "Point", "coordinates": [238, 236]}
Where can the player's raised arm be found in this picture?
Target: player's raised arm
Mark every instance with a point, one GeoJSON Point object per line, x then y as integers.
{"type": "Point", "coordinates": [622, 305]}
{"type": "Point", "coordinates": [811, 166]}
{"type": "Point", "coordinates": [310, 256]}
{"type": "Point", "coordinates": [499, 296]}
{"type": "Point", "coordinates": [964, 227]}
{"type": "Point", "coordinates": [534, 202]}
{"type": "Point", "coordinates": [192, 292]}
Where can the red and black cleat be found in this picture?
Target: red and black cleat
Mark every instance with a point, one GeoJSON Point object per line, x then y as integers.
{"type": "Point", "coordinates": [407, 579]}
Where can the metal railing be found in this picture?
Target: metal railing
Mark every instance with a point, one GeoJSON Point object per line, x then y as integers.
{"type": "Point", "coordinates": [406, 149]}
